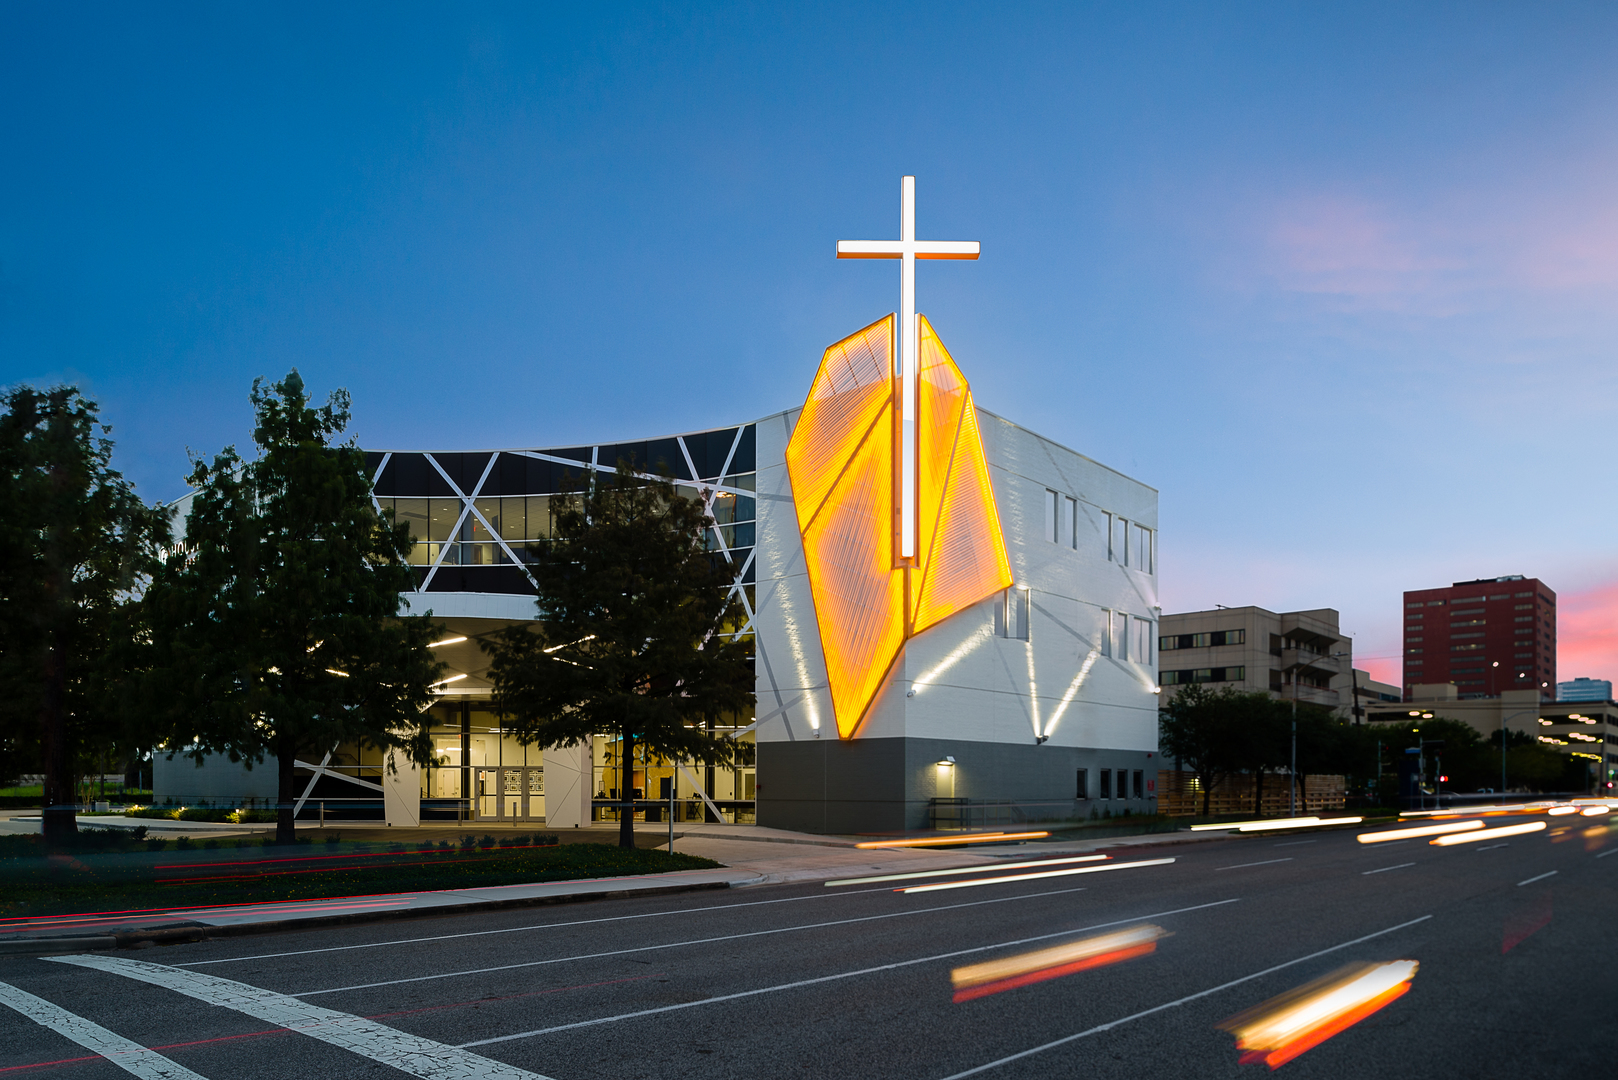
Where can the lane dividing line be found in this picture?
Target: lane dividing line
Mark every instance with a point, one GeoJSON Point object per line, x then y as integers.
{"type": "Point", "coordinates": [1295, 843]}
{"type": "Point", "coordinates": [1541, 877]}
{"type": "Point", "coordinates": [1099, 1028]}
{"type": "Point", "coordinates": [680, 944]}
{"type": "Point", "coordinates": [531, 926]}
{"type": "Point", "coordinates": [940, 886]}
{"type": "Point", "coordinates": [1491, 847]}
{"type": "Point", "coordinates": [1385, 869]}
{"type": "Point", "coordinates": [131, 1057]}
{"type": "Point", "coordinates": [1266, 862]}
{"type": "Point", "coordinates": [389, 1046]}
{"type": "Point", "coordinates": [1604, 854]}
{"type": "Point", "coordinates": [799, 984]}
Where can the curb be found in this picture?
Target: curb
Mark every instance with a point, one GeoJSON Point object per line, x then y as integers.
{"type": "Point", "coordinates": [51, 946]}
{"type": "Point", "coordinates": [188, 932]}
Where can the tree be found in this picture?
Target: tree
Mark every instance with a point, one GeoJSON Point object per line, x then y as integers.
{"type": "Point", "coordinates": [1202, 730]}
{"type": "Point", "coordinates": [75, 545]}
{"type": "Point", "coordinates": [635, 633]}
{"type": "Point", "coordinates": [278, 622]}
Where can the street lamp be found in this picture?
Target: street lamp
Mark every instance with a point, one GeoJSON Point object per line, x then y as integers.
{"type": "Point", "coordinates": [1293, 775]}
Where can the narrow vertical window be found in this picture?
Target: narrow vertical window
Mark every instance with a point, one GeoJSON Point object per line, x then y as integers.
{"type": "Point", "coordinates": [1140, 783]}
{"type": "Point", "coordinates": [1120, 541]}
{"type": "Point", "coordinates": [1083, 787]}
{"type": "Point", "coordinates": [1120, 635]}
{"type": "Point", "coordinates": [1011, 614]}
{"type": "Point", "coordinates": [1070, 516]}
{"type": "Point", "coordinates": [1052, 522]}
{"type": "Point", "coordinates": [1141, 555]}
{"type": "Point", "coordinates": [1106, 783]}
{"type": "Point", "coordinates": [1106, 633]}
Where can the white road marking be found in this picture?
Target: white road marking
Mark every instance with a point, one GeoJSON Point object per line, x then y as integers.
{"type": "Point", "coordinates": [389, 1046]}
{"type": "Point", "coordinates": [834, 978]}
{"type": "Point", "coordinates": [1604, 854]}
{"type": "Point", "coordinates": [1266, 862]}
{"type": "Point", "coordinates": [1099, 1028]}
{"type": "Point", "coordinates": [1385, 869]}
{"type": "Point", "coordinates": [1491, 847]}
{"type": "Point", "coordinates": [532, 926]}
{"type": "Point", "coordinates": [1389, 843]}
{"type": "Point", "coordinates": [131, 1057]}
{"type": "Point", "coordinates": [679, 944]}
{"type": "Point", "coordinates": [1295, 843]}
{"type": "Point", "coordinates": [1541, 877]}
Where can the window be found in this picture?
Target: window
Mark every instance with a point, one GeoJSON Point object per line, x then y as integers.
{"type": "Point", "coordinates": [1140, 645]}
{"type": "Point", "coordinates": [1414, 652]}
{"type": "Point", "coordinates": [1522, 607]}
{"type": "Point", "coordinates": [1082, 790]}
{"type": "Point", "coordinates": [1414, 605]}
{"type": "Point", "coordinates": [1053, 526]}
{"type": "Point", "coordinates": [1119, 633]}
{"type": "Point", "coordinates": [1140, 556]}
{"type": "Point", "coordinates": [1464, 648]}
{"type": "Point", "coordinates": [1070, 517]}
{"type": "Point", "coordinates": [1200, 675]}
{"type": "Point", "coordinates": [1118, 539]}
{"type": "Point", "coordinates": [1140, 784]}
{"type": "Point", "coordinates": [1169, 642]}
{"type": "Point", "coordinates": [1458, 637]}
{"type": "Point", "coordinates": [1435, 603]}
{"type": "Point", "coordinates": [1106, 783]}
{"type": "Point", "coordinates": [1520, 595]}
{"type": "Point", "coordinates": [1412, 640]}
{"type": "Point", "coordinates": [1011, 614]}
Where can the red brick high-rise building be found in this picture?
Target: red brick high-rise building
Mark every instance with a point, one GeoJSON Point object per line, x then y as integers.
{"type": "Point", "coordinates": [1485, 636]}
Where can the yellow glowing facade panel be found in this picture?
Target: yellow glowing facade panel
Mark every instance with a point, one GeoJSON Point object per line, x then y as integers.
{"type": "Point", "coordinates": [859, 599]}
{"type": "Point", "coordinates": [843, 464]}
{"type": "Point", "coordinates": [964, 552]}
{"type": "Point", "coordinates": [854, 384]}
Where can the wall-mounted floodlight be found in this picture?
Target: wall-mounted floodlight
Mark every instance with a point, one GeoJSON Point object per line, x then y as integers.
{"type": "Point", "coordinates": [1038, 739]}
{"type": "Point", "coordinates": [948, 762]}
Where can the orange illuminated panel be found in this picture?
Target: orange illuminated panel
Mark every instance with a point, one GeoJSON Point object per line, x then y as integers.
{"type": "Point", "coordinates": [854, 385]}
{"type": "Point", "coordinates": [843, 464]}
{"type": "Point", "coordinates": [859, 599]}
{"type": "Point", "coordinates": [963, 550]}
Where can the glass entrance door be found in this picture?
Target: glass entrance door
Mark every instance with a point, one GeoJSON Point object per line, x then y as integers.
{"type": "Point", "coordinates": [511, 793]}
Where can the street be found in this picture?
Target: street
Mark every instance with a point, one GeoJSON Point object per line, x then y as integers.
{"type": "Point", "coordinates": [1513, 939]}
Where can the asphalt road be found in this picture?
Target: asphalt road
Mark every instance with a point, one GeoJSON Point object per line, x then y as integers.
{"type": "Point", "coordinates": [854, 981]}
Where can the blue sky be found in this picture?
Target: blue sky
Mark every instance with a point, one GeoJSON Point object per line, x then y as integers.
{"type": "Point", "coordinates": [1338, 280]}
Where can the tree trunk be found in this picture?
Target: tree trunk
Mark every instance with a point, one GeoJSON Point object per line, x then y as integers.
{"type": "Point", "coordinates": [1207, 795]}
{"type": "Point", "coordinates": [626, 792]}
{"type": "Point", "coordinates": [1258, 793]}
{"type": "Point", "coordinates": [59, 823]}
{"type": "Point", "coordinates": [286, 789]}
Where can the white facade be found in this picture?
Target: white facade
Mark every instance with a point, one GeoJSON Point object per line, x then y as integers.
{"type": "Point", "coordinates": [1021, 689]}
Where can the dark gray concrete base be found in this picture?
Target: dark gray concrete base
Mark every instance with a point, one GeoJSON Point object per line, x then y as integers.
{"type": "Point", "coordinates": [886, 785]}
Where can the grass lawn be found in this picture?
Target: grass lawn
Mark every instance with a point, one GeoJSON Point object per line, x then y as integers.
{"type": "Point", "coordinates": [124, 875]}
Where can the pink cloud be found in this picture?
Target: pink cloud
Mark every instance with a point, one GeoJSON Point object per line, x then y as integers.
{"type": "Point", "coordinates": [1587, 633]}
{"type": "Point", "coordinates": [1387, 669]}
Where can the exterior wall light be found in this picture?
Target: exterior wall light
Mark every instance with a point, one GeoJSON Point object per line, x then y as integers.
{"type": "Point", "coordinates": [948, 762]}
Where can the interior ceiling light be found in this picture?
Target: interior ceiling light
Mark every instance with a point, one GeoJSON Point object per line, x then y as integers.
{"type": "Point", "coordinates": [447, 641]}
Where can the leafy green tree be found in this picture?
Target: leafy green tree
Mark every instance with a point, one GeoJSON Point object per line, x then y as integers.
{"type": "Point", "coordinates": [75, 546]}
{"type": "Point", "coordinates": [1203, 731]}
{"type": "Point", "coordinates": [635, 633]}
{"type": "Point", "coordinates": [277, 623]}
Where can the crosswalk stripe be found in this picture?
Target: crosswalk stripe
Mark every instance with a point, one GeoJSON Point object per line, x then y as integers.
{"type": "Point", "coordinates": [131, 1057]}
{"type": "Point", "coordinates": [408, 1053]}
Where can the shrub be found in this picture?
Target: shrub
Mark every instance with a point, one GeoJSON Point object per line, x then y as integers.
{"type": "Point", "coordinates": [183, 843]}
{"type": "Point", "coordinates": [486, 843]}
{"type": "Point", "coordinates": [333, 838]}
{"type": "Point", "coordinates": [211, 845]}
{"type": "Point", "coordinates": [467, 843]}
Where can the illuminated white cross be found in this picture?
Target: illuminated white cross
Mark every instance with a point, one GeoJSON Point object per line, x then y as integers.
{"type": "Point", "coordinates": [907, 249]}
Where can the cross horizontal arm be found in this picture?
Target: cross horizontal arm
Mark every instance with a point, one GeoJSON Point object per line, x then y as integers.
{"type": "Point", "coordinates": [896, 249]}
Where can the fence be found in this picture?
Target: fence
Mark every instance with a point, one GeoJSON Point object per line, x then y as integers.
{"type": "Point", "coordinates": [1180, 795]}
